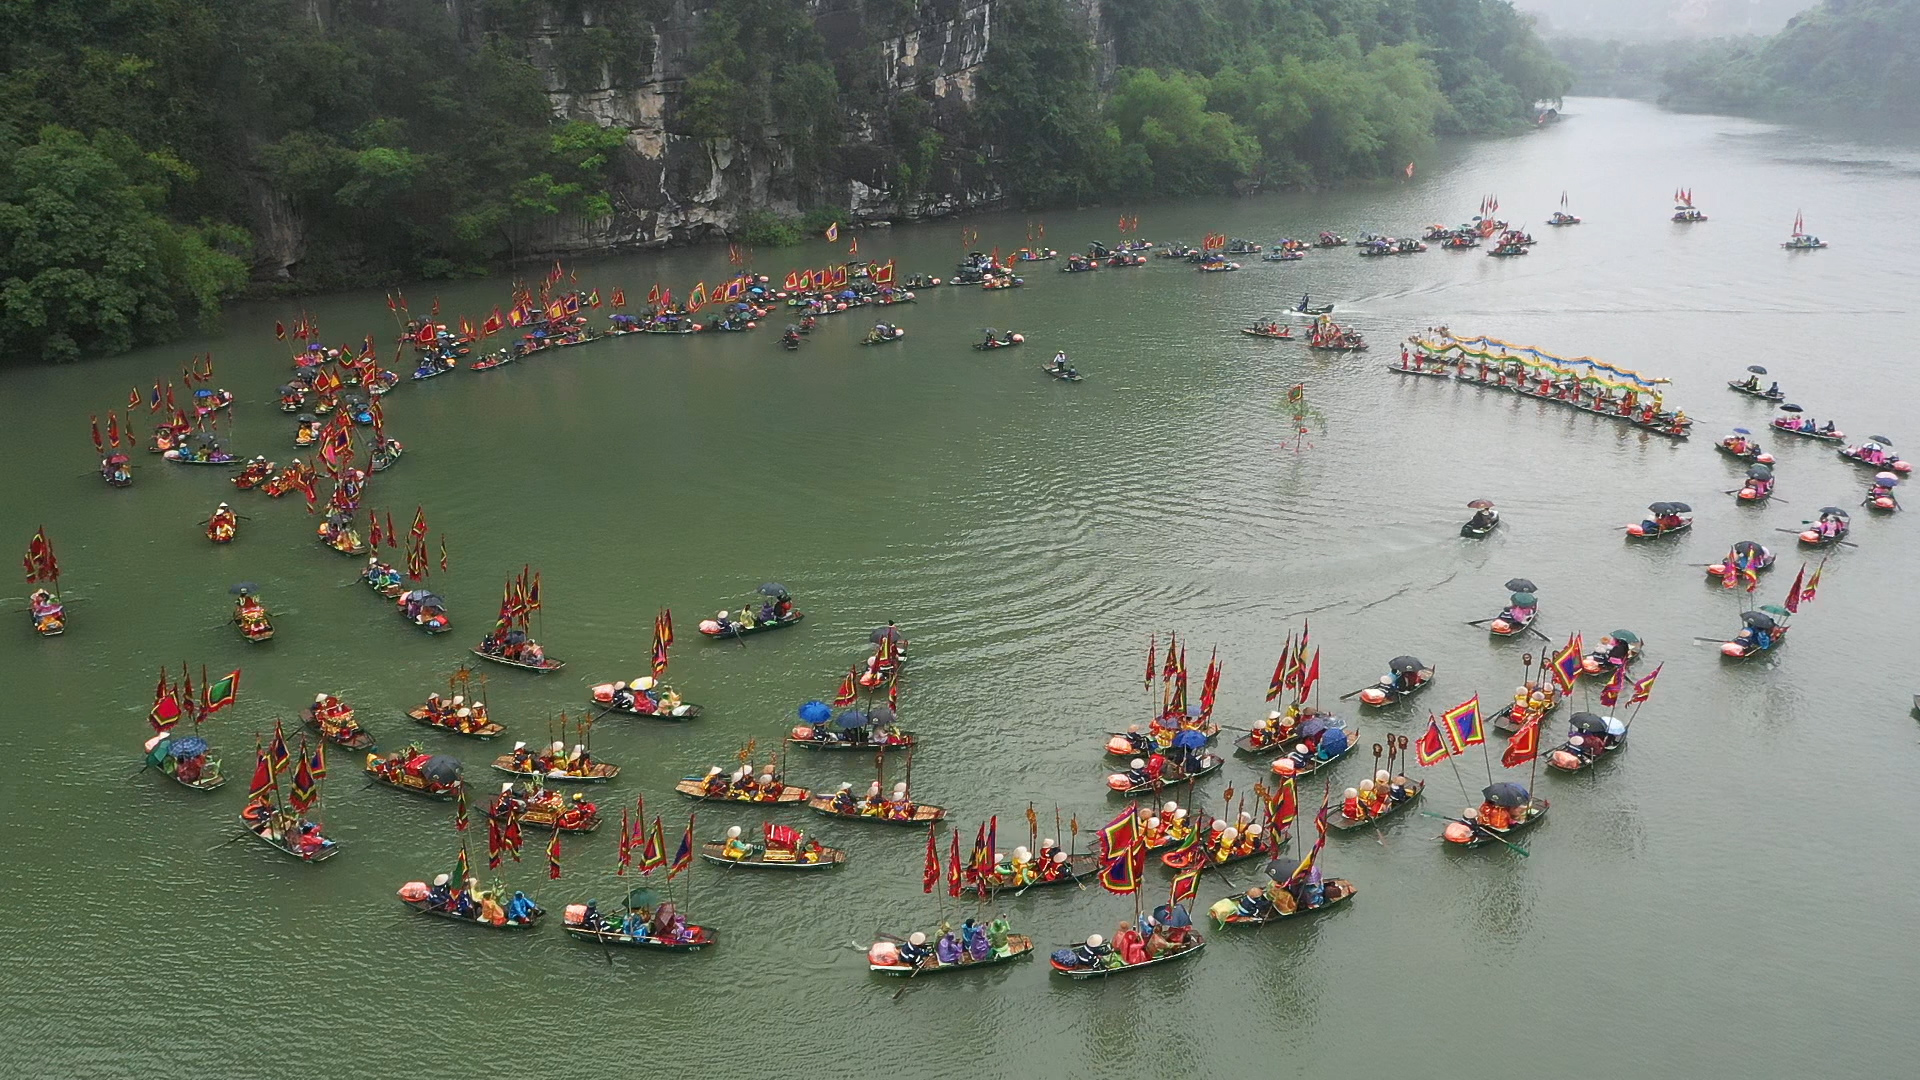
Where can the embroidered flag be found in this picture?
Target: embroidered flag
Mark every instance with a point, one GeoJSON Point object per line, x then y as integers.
{"type": "Point", "coordinates": [1524, 745]}
{"type": "Point", "coordinates": [553, 856]}
{"type": "Point", "coordinates": [683, 858]}
{"type": "Point", "coordinates": [221, 693]}
{"type": "Point", "coordinates": [1186, 886]}
{"type": "Point", "coordinates": [1463, 724]}
{"type": "Point", "coordinates": [1643, 688]}
{"type": "Point", "coordinates": [1431, 748]}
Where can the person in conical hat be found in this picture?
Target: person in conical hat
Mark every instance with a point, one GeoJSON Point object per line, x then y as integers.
{"type": "Point", "coordinates": [1350, 804]}
{"type": "Point", "coordinates": [1224, 841]}
{"type": "Point", "coordinates": [843, 800]}
{"type": "Point", "coordinates": [506, 788]}
{"type": "Point", "coordinates": [1217, 827]}
{"type": "Point", "coordinates": [713, 770]}
{"type": "Point", "coordinates": [1170, 808]}
{"type": "Point", "coordinates": [1251, 838]}
{"type": "Point", "coordinates": [1380, 778]}
{"type": "Point", "coordinates": [558, 746]}
{"type": "Point", "coordinates": [733, 848]}
{"type": "Point", "coordinates": [440, 895]}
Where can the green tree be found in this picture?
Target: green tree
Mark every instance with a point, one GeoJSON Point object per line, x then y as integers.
{"type": "Point", "coordinates": [87, 261]}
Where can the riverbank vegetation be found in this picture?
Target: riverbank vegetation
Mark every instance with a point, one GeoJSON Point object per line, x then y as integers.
{"type": "Point", "coordinates": [157, 156]}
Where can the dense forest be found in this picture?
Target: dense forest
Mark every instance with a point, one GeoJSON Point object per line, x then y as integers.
{"type": "Point", "coordinates": [157, 156]}
{"type": "Point", "coordinates": [1860, 58]}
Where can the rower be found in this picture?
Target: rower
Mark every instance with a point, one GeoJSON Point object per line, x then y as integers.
{"type": "Point", "coordinates": [1021, 870]}
{"type": "Point", "coordinates": [1400, 791]}
{"type": "Point", "coordinates": [1483, 518]}
{"type": "Point", "coordinates": [1255, 905]}
{"type": "Point", "coordinates": [440, 895]}
{"type": "Point", "coordinates": [1137, 772]}
{"type": "Point", "coordinates": [734, 848]}
{"type": "Point", "coordinates": [914, 952]}
{"type": "Point", "coordinates": [843, 800]}
{"type": "Point", "coordinates": [1092, 954]}
{"type": "Point", "coordinates": [1350, 804]}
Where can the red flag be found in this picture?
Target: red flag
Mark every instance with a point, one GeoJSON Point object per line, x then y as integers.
{"type": "Point", "coordinates": [1793, 593]}
{"type": "Point", "coordinates": [619, 297]}
{"type": "Point", "coordinates": [1313, 676]}
{"type": "Point", "coordinates": [1813, 583]}
{"type": "Point", "coordinates": [1286, 805]}
{"type": "Point", "coordinates": [493, 844]}
{"type": "Point", "coordinates": [653, 297]}
{"type": "Point", "coordinates": [1431, 748]}
{"type": "Point", "coordinates": [953, 866]}
{"type": "Point", "coordinates": [373, 533]}
{"type": "Point", "coordinates": [1643, 688]}
{"type": "Point", "coordinates": [393, 534]}
{"type": "Point", "coordinates": [1523, 746]}
{"type": "Point", "coordinates": [1153, 657]}
{"type": "Point", "coordinates": [97, 443]}
{"type": "Point", "coordinates": [1610, 694]}
{"type": "Point", "coordinates": [626, 843]}
{"type": "Point", "coordinates": [443, 552]}
{"type": "Point", "coordinates": [848, 693]}
{"type": "Point", "coordinates": [553, 856]}
{"type": "Point", "coordinates": [262, 774]}
{"type": "Point", "coordinates": [1186, 886]}
{"type": "Point", "coordinates": [280, 328]}
{"type": "Point", "coordinates": [133, 398]}
{"type": "Point", "coordinates": [931, 876]}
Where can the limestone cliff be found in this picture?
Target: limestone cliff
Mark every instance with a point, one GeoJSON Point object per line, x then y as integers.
{"type": "Point", "coordinates": [676, 188]}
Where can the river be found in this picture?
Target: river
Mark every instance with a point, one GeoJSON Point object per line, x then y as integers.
{"type": "Point", "coordinates": [1726, 898]}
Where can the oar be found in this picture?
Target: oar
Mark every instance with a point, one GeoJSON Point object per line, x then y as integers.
{"type": "Point", "coordinates": [1476, 622]}
{"type": "Point", "coordinates": [241, 836]}
{"type": "Point", "coordinates": [917, 966]}
{"type": "Point", "coordinates": [1373, 686]}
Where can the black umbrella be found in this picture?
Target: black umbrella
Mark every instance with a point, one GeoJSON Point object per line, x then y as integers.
{"type": "Point", "coordinates": [1405, 663]}
{"type": "Point", "coordinates": [1833, 510]}
{"type": "Point", "coordinates": [306, 419]}
{"type": "Point", "coordinates": [1747, 547]}
{"type": "Point", "coordinates": [1756, 369]}
{"type": "Point", "coordinates": [339, 519]}
{"type": "Point", "coordinates": [1660, 508]}
{"type": "Point", "coordinates": [1882, 440]}
{"type": "Point", "coordinates": [244, 588]}
{"type": "Point", "coordinates": [441, 769]}
{"type": "Point", "coordinates": [1680, 508]}
{"type": "Point", "coordinates": [285, 389]}
{"type": "Point", "coordinates": [1758, 620]}
{"type": "Point", "coordinates": [1521, 584]}
{"type": "Point", "coordinates": [773, 589]}
{"type": "Point", "coordinates": [1480, 504]}
{"type": "Point", "coordinates": [883, 715]}
{"type": "Point", "coordinates": [886, 633]}
{"type": "Point", "coordinates": [1505, 794]}
{"type": "Point", "coordinates": [1759, 472]}
{"type": "Point", "coordinates": [1791, 408]}
{"type": "Point", "coordinates": [1586, 723]}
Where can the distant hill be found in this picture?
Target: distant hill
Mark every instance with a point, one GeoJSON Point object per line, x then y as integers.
{"type": "Point", "coordinates": [1656, 20]}
{"type": "Point", "coordinates": [1859, 57]}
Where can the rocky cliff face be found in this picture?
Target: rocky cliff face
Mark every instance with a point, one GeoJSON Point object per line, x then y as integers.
{"type": "Point", "coordinates": [673, 188]}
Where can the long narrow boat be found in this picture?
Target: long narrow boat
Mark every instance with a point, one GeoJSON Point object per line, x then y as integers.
{"type": "Point", "coordinates": [1018, 946]}
{"type": "Point", "coordinates": [358, 738]}
{"type": "Point", "coordinates": [550, 812]}
{"type": "Point", "coordinates": [1315, 763]}
{"type": "Point", "coordinates": [428, 907]}
{"type": "Point", "coordinates": [484, 731]}
{"type": "Point", "coordinates": [1117, 783]}
{"type": "Point", "coordinates": [902, 740]}
{"type": "Point", "coordinates": [1342, 822]}
{"type": "Point", "coordinates": [1474, 834]}
{"type": "Point", "coordinates": [1566, 759]}
{"type": "Point", "coordinates": [828, 858]}
{"type": "Point", "coordinates": [693, 788]}
{"type": "Point", "coordinates": [1381, 694]}
{"type": "Point", "coordinates": [1501, 626]}
{"type": "Point", "coordinates": [1081, 869]}
{"type": "Point", "coordinates": [399, 778]}
{"type": "Point", "coordinates": [1120, 744]}
{"type": "Point", "coordinates": [1196, 856]}
{"type": "Point", "coordinates": [701, 936]}
{"type": "Point", "coordinates": [274, 836]}
{"type": "Point", "coordinates": [546, 664]}
{"type": "Point", "coordinates": [1750, 391]}
{"type": "Point", "coordinates": [922, 813]}
{"type": "Point", "coordinates": [735, 630]}
{"type": "Point", "coordinates": [1346, 893]}
{"type": "Point", "coordinates": [1192, 948]}
{"type": "Point", "coordinates": [597, 773]}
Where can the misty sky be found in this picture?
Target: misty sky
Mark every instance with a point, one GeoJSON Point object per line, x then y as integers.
{"type": "Point", "coordinates": [1662, 18]}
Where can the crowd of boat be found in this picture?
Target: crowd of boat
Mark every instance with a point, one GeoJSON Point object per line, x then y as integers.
{"type": "Point", "coordinates": [334, 393]}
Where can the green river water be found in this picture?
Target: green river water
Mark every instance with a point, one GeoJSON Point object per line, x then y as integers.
{"type": "Point", "coordinates": [1728, 898]}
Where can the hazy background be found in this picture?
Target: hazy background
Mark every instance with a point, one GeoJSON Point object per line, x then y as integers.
{"type": "Point", "coordinates": [1654, 19]}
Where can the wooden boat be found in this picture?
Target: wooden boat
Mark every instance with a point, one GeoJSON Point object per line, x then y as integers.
{"type": "Point", "coordinates": [1196, 856]}
{"type": "Point", "coordinates": [1781, 424]}
{"type": "Point", "coordinates": [1814, 539]}
{"type": "Point", "coordinates": [503, 358]}
{"type": "Point", "coordinates": [1084, 867]}
{"type": "Point", "coordinates": [734, 630]}
{"type": "Point", "coordinates": [1469, 531]}
{"type": "Point", "coordinates": [1194, 944]}
{"type": "Point", "coordinates": [693, 788]}
{"type": "Point", "coordinates": [1754, 452]}
{"type": "Point", "coordinates": [597, 773]}
{"type": "Point", "coordinates": [1887, 463]}
{"type": "Point", "coordinates": [1285, 333]}
{"type": "Point", "coordinates": [202, 767]}
{"type": "Point", "coordinates": [1316, 763]}
{"type": "Point", "coordinates": [1066, 375]}
{"type": "Point", "coordinates": [1018, 946]}
{"type": "Point", "coordinates": [547, 809]}
{"type": "Point", "coordinates": [1007, 342]}
{"type": "Point", "coordinates": [1741, 650]}
{"type": "Point", "coordinates": [1117, 784]}
{"type": "Point", "coordinates": [702, 936]}
{"type": "Point", "coordinates": [273, 835]}
{"type": "Point", "coordinates": [546, 664]}
{"type": "Point", "coordinates": [682, 711]}
{"type": "Point", "coordinates": [1749, 495]}
{"type": "Point", "coordinates": [1476, 835]}
{"type": "Point", "coordinates": [1342, 822]}
{"type": "Point", "coordinates": [400, 779]}
{"type": "Point", "coordinates": [254, 622]}
{"type": "Point", "coordinates": [922, 813]}
{"type": "Point", "coordinates": [427, 907]}
{"type": "Point", "coordinates": [1638, 532]}
{"type": "Point", "coordinates": [1754, 391]}
{"type": "Point", "coordinates": [714, 851]}
{"type": "Point", "coordinates": [485, 731]}
{"type": "Point", "coordinates": [358, 738]}
{"type": "Point", "coordinates": [899, 741]}
{"type": "Point", "coordinates": [1380, 695]}
{"type": "Point", "coordinates": [1118, 743]}
{"type": "Point", "coordinates": [1345, 892]}
{"type": "Point", "coordinates": [1566, 759]}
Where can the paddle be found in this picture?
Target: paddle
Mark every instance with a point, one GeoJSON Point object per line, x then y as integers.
{"type": "Point", "coordinates": [241, 836]}
{"type": "Point", "coordinates": [1483, 831]}
{"type": "Point", "coordinates": [1374, 686]}
{"type": "Point", "coordinates": [918, 965]}
{"type": "Point", "coordinates": [1476, 622]}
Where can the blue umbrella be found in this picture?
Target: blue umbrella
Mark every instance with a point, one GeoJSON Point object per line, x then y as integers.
{"type": "Point", "coordinates": [190, 747]}
{"type": "Point", "coordinates": [1168, 915]}
{"type": "Point", "coordinates": [816, 712]}
{"type": "Point", "coordinates": [1312, 725]}
{"type": "Point", "coordinates": [1189, 739]}
{"type": "Point", "coordinates": [1741, 431]}
{"type": "Point", "coordinates": [852, 718]}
